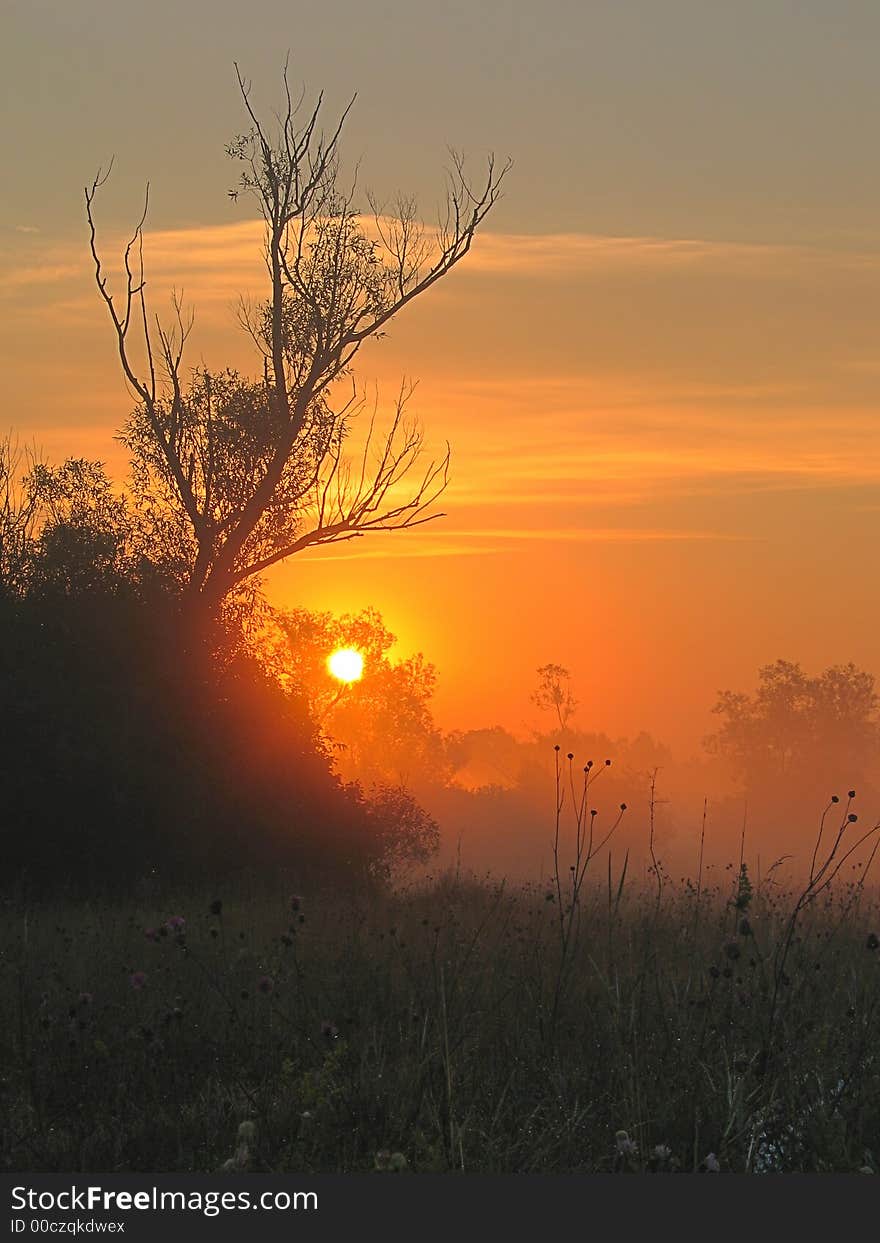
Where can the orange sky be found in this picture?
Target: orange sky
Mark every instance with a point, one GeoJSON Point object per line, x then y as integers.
{"type": "Point", "coordinates": [658, 369]}
{"type": "Point", "coordinates": [665, 456]}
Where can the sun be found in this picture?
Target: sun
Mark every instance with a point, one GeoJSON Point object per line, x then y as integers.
{"type": "Point", "coordinates": [346, 664]}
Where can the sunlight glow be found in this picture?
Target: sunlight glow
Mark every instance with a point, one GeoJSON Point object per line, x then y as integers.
{"type": "Point", "coordinates": [346, 665]}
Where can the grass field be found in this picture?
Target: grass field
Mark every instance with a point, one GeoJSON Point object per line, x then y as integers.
{"type": "Point", "coordinates": [455, 1025]}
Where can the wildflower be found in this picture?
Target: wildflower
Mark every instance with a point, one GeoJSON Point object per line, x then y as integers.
{"type": "Point", "coordinates": [625, 1146]}
{"type": "Point", "coordinates": [711, 1165]}
{"type": "Point", "coordinates": [216, 907]}
{"type": "Point", "coordinates": [661, 1152]}
{"type": "Point", "coordinates": [873, 941]}
{"type": "Point", "coordinates": [850, 794]}
{"type": "Point", "coordinates": [152, 934]}
{"type": "Point", "coordinates": [246, 1130]}
{"type": "Point", "coordinates": [852, 817]}
{"type": "Point", "coordinates": [265, 984]}
{"type": "Point", "coordinates": [398, 1163]}
{"type": "Point", "coordinates": [382, 1159]}
{"type": "Point", "coordinates": [834, 798]}
{"type": "Point", "coordinates": [623, 806]}
{"type": "Point", "coordinates": [176, 924]}
{"type": "Point", "coordinates": [138, 980]}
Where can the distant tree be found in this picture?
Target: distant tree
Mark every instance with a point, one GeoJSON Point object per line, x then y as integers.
{"type": "Point", "coordinates": [795, 724]}
{"type": "Point", "coordinates": [554, 693]}
{"type": "Point", "coordinates": [384, 720]}
{"type": "Point", "coordinates": [240, 473]}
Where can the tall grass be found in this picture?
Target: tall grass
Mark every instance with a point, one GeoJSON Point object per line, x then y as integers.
{"type": "Point", "coordinates": [457, 1024]}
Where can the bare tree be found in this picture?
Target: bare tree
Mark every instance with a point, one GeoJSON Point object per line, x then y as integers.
{"type": "Point", "coordinates": [253, 472]}
{"type": "Point", "coordinates": [554, 693]}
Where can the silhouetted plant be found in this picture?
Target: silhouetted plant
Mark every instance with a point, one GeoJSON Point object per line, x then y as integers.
{"type": "Point", "coordinates": [247, 472]}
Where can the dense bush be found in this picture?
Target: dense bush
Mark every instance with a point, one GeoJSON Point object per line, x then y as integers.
{"type": "Point", "coordinates": [129, 751]}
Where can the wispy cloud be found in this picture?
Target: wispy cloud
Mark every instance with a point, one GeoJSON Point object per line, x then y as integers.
{"type": "Point", "coordinates": [224, 255]}
{"type": "Point", "coordinates": [489, 541]}
{"type": "Point", "coordinates": [701, 412]}
{"type": "Point", "coordinates": [593, 535]}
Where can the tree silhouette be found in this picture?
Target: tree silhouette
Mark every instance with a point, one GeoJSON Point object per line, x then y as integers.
{"type": "Point", "coordinates": [384, 720]}
{"type": "Point", "coordinates": [239, 473]}
{"type": "Point", "coordinates": [795, 724]}
{"type": "Point", "coordinates": [554, 693]}
{"type": "Point", "coordinates": [19, 516]}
